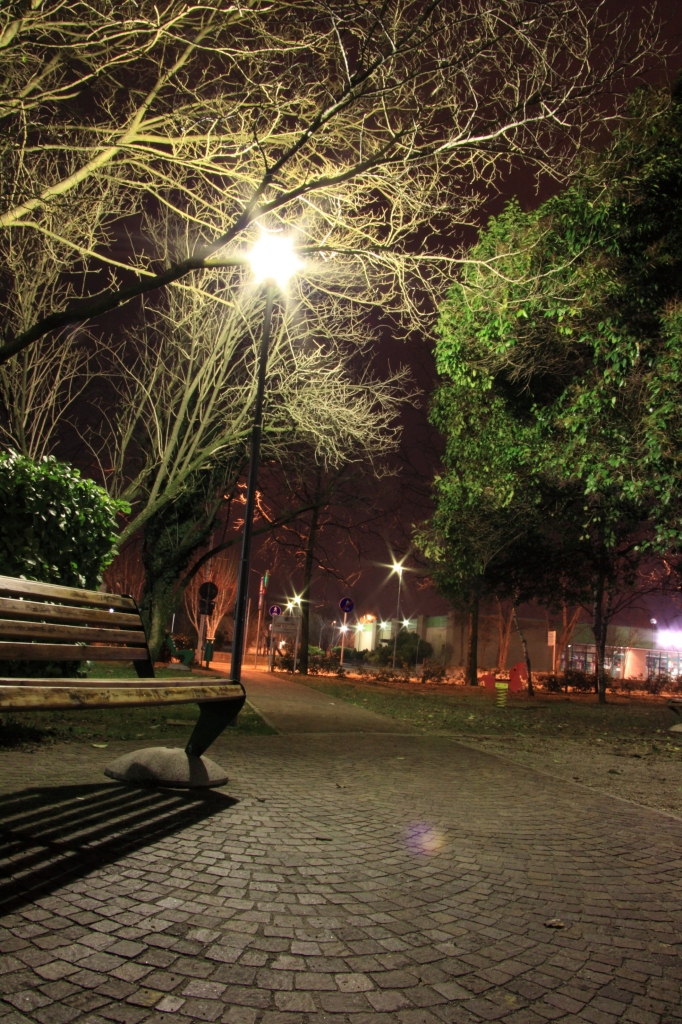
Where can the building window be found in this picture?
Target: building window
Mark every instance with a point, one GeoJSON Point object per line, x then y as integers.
{"type": "Point", "coordinates": [582, 658]}
{"type": "Point", "coordinates": [663, 663]}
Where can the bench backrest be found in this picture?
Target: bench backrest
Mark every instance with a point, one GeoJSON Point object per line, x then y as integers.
{"type": "Point", "coordinates": [45, 622]}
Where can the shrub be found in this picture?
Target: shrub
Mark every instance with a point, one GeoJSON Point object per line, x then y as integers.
{"type": "Point", "coordinates": [577, 680]}
{"type": "Point", "coordinates": [56, 527]}
{"type": "Point", "coordinates": [432, 671]}
{"type": "Point", "coordinates": [553, 683]}
{"type": "Point", "coordinates": [406, 650]}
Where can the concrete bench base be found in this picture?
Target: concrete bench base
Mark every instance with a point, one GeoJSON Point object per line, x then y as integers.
{"type": "Point", "coordinates": [166, 766]}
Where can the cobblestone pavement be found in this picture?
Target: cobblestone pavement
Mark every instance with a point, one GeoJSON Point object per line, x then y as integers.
{"type": "Point", "coordinates": [346, 879]}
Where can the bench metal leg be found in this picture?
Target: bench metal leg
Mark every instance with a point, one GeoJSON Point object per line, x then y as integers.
{"type": "Point", "coordinates": [214, 716]}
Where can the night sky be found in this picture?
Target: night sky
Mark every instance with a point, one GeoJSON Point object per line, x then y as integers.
{"type": "Point", "coordinates": [371, 585]}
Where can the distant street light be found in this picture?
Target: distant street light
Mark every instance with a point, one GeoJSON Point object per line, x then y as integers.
{"type": "Point", "coordinates": [273, 262]}
{"type": "Point", "coordinates": [398, 568]}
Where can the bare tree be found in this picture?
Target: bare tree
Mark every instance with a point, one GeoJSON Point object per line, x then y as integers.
{"type": "Point", "coordinates": [125, 575]}
{"type": "Point", "coordinates": [375, 128]}
{"type": "Point", "coordinates": [174, 440]}
{"type": "Point", "coordinates": [220, 569]}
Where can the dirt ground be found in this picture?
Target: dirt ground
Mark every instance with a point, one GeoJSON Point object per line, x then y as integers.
{"type": "Point", "coordinates": [624, 749]}
{"type": "Point", "coordinates": [629, 770]}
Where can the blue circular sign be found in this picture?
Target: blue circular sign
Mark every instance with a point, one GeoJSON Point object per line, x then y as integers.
{"type": "Point", "coordinates": [346, 605]}
{"type": "Point", "coordinates": [275, 609]}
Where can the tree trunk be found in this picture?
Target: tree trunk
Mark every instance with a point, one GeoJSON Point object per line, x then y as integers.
{"type": "Point", "coordinates": [504, 626]}
{"type": "Point", "coordinates": [171, 538]}
{"type": "Point", "coordinates": [599, 626]}
{"type": "Point", "coordinates": [568, 624]}
{"type": "Point", "coordinates": [526, 655]}
{"type": "Point", "coordinates": [472, 650]}
{"type": "Point", "coordinates": [305, 596]}
{"type": "Point", "coordinates": [159, 601]}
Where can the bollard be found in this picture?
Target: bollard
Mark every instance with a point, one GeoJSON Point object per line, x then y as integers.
{"type": "Point", "coordinates": [501, 690]}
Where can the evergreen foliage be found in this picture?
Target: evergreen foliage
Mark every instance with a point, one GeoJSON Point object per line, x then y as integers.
{"type": "Point", "coordinates": [57, 526]}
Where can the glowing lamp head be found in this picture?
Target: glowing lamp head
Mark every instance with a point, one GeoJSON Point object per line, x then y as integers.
{"type": "Point", "coordinates": [273, 259]}
{"type": "Point", "coordinates": [397, 567]}
{"type": "Point", "coordinates": [670, 639]}
{"type": "Point", "coordinates": [406, 622]}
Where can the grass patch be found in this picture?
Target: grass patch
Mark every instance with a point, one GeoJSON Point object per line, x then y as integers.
{"type": "Point", "coordinates": [170, 722]}
{"type": "Point", "coordinates": [471, 711]}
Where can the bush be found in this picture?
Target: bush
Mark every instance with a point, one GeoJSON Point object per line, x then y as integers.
{"type": "Point", "coordinates": [433, 671]}
{"type": "Point", "coordinates": [319, 662]}
{"type": "Point", "coordinates": [553, 683]}
{"type": "Point", "coordinates": [577, 680]}
{"type": "Point", "coordinates": [349, 654]}
{"type": "Point", "coordinates": [56, 527]}
{"type": "Point", "coordinates": [406, 650]}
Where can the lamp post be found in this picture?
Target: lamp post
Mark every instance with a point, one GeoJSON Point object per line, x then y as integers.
{"type": "Point", "coordinates": [397, 567]}
{"type": "Point", "coordinates": [273, 261]}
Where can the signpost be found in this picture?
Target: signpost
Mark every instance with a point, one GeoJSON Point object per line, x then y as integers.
{"type": "Point", "coordinates": [208, 592]}
{"type": "Point", "coordinates": [273, 611]}
{"type": "Point", "coordinates": [551, 642]}
{"type": "Point", "coordinates": [346, 606]}
{"type": "Point", "coordinates": [283, 625]}
{"type": "Point", "coordinates": [264, 580]}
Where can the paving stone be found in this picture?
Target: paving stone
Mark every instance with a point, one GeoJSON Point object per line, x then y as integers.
{"type": "Point", "coordinates": [387, 1001]}
{"type": "Point", "coordinates": [296, 1001]}
{"type": "Point", "coordinates": [229, 907]}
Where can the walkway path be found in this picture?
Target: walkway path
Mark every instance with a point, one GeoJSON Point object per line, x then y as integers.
{"type": "Point", "coordinates": [291, 707]}
{"type": "Point", "coordinates": [339, 878]}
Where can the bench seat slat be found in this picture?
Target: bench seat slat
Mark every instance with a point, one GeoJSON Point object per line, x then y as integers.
{"type": "Point", "coordinates": [73, 681]}
{"type": "Point", "coordinates": [67, 595]}
{"type": "Point", "coordinates": [11, 607]}
{"type": "Point", "coordinates": [69, 652]}
{"type": "Point", "coordinates": [60, 698]}
{"type": "Point", "coordinates": [56, 631]}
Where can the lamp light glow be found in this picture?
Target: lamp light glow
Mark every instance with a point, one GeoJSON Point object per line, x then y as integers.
{"type": "Point", "coordinates": [273, 259]}
{"type": "Point", "coordinates": [669, 638]}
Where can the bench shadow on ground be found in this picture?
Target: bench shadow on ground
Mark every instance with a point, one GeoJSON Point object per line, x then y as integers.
{"type": "Point", "coordinates": [53, 835]}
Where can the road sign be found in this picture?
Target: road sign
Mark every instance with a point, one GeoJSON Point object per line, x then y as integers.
{"type": "Point", "coordinates": [551, 638]}
{"type": "Point", "coordinates": [207, 594]}
{"type": "Point", "coordinates": [288, 624]}
{"type": "Point", "coordinates": [275, 609]}
{"type": "Point", "coordinates": [346, 605]}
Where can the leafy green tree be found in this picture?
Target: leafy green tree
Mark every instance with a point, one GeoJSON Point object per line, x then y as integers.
{"type": "Point", "coordinates": [561, 356]}
{"type": "Point", "coordinates": [57, 526]}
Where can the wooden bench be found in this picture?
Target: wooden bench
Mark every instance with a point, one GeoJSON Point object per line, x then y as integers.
{"type": "Point", "coordinates": [44, 622]}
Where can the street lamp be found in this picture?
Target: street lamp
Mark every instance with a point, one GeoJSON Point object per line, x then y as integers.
{"type": "Point", "coordinates": [273, 262]}
{"type": "Point", "coordinates": [398, 568]}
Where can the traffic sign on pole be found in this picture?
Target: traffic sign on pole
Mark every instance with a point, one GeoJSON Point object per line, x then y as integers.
{"type": "Point", "coordinates": [346, 605]}
{"type": "Point", "coordinates": [207, 594]}
{"type": "Point", "coordinates": [275, 609]}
